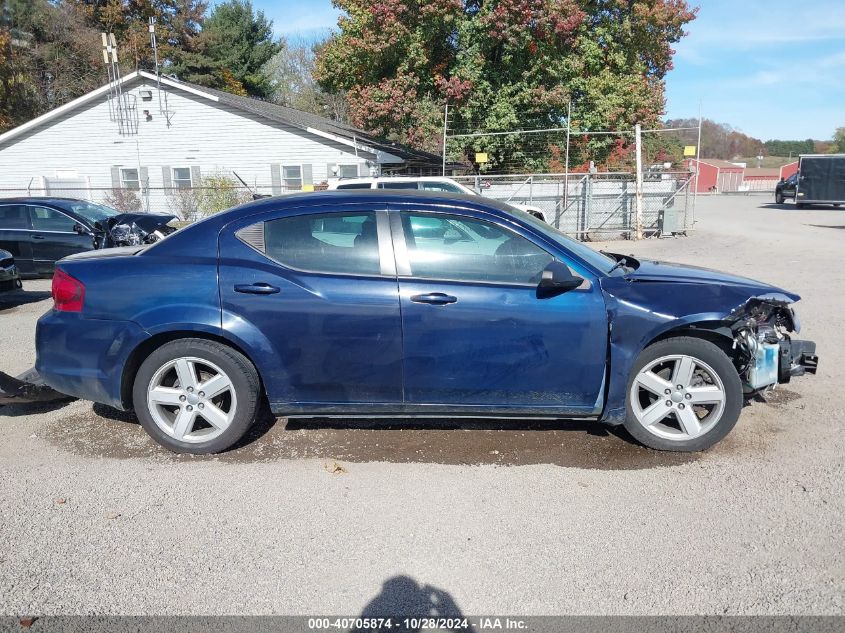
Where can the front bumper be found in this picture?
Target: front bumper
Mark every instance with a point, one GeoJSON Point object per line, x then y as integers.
{"type": "Point", "coordinates": [10, 279]}
{"type": "Point", "coordinates": [796, 358]}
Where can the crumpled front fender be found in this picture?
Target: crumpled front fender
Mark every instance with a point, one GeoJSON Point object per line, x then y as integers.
{"type": "Point", "coordinates": [640, 312]}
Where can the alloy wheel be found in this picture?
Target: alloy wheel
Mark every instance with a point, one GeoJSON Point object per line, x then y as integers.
{"type": "Point", "coordinates": [677, 397]}
{"type": "Point", "coordinates": [191, 399]}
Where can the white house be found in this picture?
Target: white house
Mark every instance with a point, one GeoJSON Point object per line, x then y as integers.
{"type": "Point", "coordinates": [152, 139]}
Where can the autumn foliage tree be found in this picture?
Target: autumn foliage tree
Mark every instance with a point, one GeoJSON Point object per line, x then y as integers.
{"type": "Point", "coordinates": [501, 64]}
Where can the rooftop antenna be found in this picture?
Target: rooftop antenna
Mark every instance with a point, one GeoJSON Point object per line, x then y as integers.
{"type": "Point", "coordinates": [162, 107]}
{"type": "Point", "coordinates": [124, 109]}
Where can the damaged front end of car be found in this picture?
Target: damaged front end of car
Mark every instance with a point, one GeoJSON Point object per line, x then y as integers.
{"type": "Point", "coordinates": [133, 229]}
{"type": "Point", "coordinates": [766, 352]}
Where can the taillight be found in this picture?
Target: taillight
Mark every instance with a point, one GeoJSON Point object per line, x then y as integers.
{"type": "Point", "coordinates": [68, 293]}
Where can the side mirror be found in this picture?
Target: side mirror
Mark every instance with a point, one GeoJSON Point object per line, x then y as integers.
{"type": "Point", "coordinates": [81, 230]}
{"type": "Point", "coordinates": [557, 276]}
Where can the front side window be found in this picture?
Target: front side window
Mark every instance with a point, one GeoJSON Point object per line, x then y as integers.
{"type": "Point", "coordinates": [356, 185]}
{"type": "Point", "coordinates": [182, 178]}
{"type": "Point", "coordinates": [44, 219]}
{"type": "Point", "coordinates": [339, 243]}
{"type": "Point", "coordinates": [292, 176]}
{"type": "Point", "coordinates": [441, 186]}
{"type": "Point", "coordinates": [453, 247]}
{"type": "Point", "coordinates": [129, 179]}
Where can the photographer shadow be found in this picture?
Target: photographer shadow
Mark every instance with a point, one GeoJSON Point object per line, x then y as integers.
{"type": "Point", "coordinates": [408, 604]}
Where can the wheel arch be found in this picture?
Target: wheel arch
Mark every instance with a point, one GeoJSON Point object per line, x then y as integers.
{"type": "Point", "coordinates": [142, 351]}
{"type": "Point", "coordinates": [717, 332]}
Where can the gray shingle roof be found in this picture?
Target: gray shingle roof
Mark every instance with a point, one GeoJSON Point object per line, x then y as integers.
{"type": "Point", "coordinates": [304, 120]}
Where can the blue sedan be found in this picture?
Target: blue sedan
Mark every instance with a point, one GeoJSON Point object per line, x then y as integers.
{"type": "Point", "coordinates": [407, 304]}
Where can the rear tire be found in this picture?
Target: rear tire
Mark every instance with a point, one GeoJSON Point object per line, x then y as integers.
{"type": "Point", "coordinates": [693, 417]}
{"type": "Point", "coordinates": [778, 198]}
{"type": "Point", "coordinates": [196, 396]}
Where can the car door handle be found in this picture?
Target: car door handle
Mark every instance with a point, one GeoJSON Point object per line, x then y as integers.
{"type": "Point", "coordinates": [256, 289]}
{"type": "Point", "coordinates": [38, 237]}
{"type": "Point", "coordinates": [434, 298]}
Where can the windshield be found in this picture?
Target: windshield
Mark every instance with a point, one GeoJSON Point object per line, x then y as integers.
{"type": "Point", "coordinates": [92, 212]}
{"type": "Point", "coordinates": [579, 249]}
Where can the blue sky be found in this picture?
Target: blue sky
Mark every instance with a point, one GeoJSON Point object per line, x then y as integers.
{"type": "Point", "coordinates": [771, 68]}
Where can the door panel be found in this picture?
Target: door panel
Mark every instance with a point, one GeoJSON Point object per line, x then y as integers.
{"type": "Point", "coordinates": [493, 342]}
{"type": "Point", "coordinates": [14, 236]}
{"type": "Point", "coordinates": [53, 238]}
{"type": "Point", "coordinates": [326, 328]}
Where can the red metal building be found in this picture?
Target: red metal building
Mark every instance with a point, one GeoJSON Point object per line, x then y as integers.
{"type": "Point", "coordinates": [716, 176]}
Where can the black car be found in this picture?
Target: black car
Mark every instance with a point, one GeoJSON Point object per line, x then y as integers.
{"type": "Point", "coordinates": [40, 231]}
{"type": "Point", "coordinates": [10, 279]}
{"type": "Point", "coordinates": [785, 189]}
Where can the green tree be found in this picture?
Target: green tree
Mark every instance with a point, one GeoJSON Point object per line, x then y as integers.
{"type": "Point", "coordinates": [838, 141]}
{"type": "Point", "coordinates": [501, 65]}
{"type": "Point", "coordinates": [231, 51]}
{"type": "Point", "coordinates": [291, 73]}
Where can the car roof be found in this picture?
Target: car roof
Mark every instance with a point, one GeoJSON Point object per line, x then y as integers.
{"type": "Point", "coordinates": [380, 195]}
{"type": "Point", "coordinates": [344, 181]}
{"type": "Point", "coordinates": [42, 199]}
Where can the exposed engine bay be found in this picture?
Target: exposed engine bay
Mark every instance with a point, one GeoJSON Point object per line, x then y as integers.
{"type": "Point", "coordinates": [132, 229]}
{"type": "Point", "coordinates": [769, 355]}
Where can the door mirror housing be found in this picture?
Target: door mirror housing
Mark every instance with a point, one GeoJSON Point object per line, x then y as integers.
{"type": "Point", "coordinates": [80, 229]}
{"type": "Point", "coordinates": [557, 276]}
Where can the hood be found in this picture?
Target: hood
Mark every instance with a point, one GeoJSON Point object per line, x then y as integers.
{"type": "Point", "coordinates": [655, 271]}
{"type": "Point", "coordinates": [149, 222]}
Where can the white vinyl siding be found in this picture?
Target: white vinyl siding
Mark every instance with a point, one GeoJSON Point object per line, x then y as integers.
{"type": "Point", "coordinates": [201, 132]}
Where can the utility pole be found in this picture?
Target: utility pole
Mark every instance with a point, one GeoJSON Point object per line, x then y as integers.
{"type": "Point", "coordinates": [566, 168]}
{"type": "Point", "coordinates": [697, 170]}
{"type": "Point", "coordinates": [445, 127]}
{"type": "Point", "coordinates": [639, 193]}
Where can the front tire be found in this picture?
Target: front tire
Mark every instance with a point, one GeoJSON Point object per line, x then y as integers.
{"type": "Point", "coordinates": [196, 396]}
{"type": "Point", "coordinates": [778, 198]}
{"type": "Point", "coordinates": [684, 394]}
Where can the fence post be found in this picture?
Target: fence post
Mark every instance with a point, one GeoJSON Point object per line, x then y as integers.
{"type": "Point", "coordinates": [639, 191]}
{"type": "Point", "coordinates": [445, 127]}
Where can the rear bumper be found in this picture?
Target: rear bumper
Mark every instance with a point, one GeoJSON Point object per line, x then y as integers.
{"type": "Point", "coordinates": [85, 358]}
{"type": "Point", "coordinates": [796, 359]}
{"type": "Point", "coordinates": [27, 388]}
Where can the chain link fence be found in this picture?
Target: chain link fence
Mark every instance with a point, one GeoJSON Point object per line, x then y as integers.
{"type": "Point", "coordinates": [597, 206]}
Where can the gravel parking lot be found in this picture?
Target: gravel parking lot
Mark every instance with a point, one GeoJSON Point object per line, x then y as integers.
{"type": "Point", "coordinates": [481, 517]}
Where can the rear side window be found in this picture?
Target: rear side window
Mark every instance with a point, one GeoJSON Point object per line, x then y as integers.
{"type": "Point", "coordinates": [13, 216]}
{"type": "Point", "coordinates": [356, 185]}
{"type": "Point", "coordinates": [44, 219]}
{"type": "Point", "coordinates": [398, 185]}
{"type": "Point", "coordinates": [339, 243]}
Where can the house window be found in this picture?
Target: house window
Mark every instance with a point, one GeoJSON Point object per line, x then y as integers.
{"type": "Point", "coordinates": [347, 171]}
{"type": "Point", "coordinates": [182, 178]}
{"type": "Point", "coordinates": [129, 179]}
{"type": "Point", "coordinates": [292, 176]}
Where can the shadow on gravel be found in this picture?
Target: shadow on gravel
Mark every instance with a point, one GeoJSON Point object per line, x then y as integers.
{"type": "Point", "coordinates": [15, 298]}
{"type": "Point", "coordinates": [106, 432]}
{"type": "Point", "coordinates": [410, 605]}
